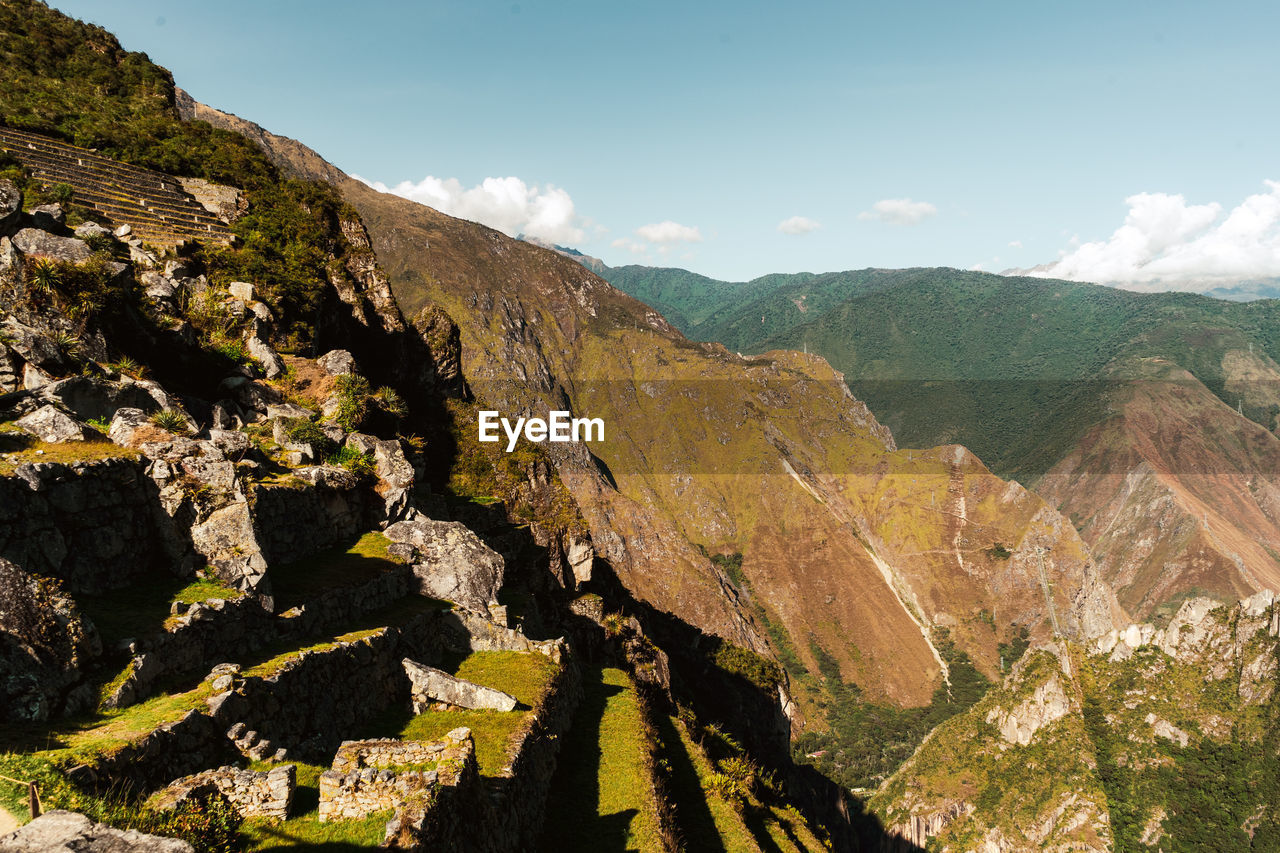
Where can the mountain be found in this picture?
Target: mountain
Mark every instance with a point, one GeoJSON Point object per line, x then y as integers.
{"type": "Point", "coordinates": [1116, 406]}
{"type": "Point", "coordinates": [1111, 745]}
{"type": "Point", "coordinates": [261, 446]}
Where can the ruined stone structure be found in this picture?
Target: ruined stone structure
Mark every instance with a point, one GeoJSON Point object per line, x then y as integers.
{"type": "Point", "coordinates": [254, 794]}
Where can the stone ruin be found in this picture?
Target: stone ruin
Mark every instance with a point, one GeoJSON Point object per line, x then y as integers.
{"type": "Point", "coordinates": [372, 776]}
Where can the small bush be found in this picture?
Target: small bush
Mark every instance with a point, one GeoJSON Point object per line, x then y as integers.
{"type": "Point", "coordinates": [360, 464]}
{"type": "Point", "coordinates": [353, 401]}
{"type": "Point", "coordinates": [998, 552]}
{"type": "Point", "coordinates": [303, 431]}
{"type": "Point", "coordinates": [171, 420]}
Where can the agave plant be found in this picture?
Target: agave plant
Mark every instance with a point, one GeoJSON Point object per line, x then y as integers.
{"type": "Point", "coordinates": [171, 420]}
{"type": "Point", "coordinates": [45, 275]}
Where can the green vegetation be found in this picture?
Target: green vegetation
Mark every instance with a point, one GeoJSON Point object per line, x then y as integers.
{"type": "Point", "coordinates": [526, 676]}
{"type": "Point", "coordinates": [304, 829]}
{"type": "Point", "coordinates": [364, 560]}
{"type": "Point", "coordinates": [171, 420]}
{"type": "Point", "coordinates": [18, 448]}
{"type": "Point", "coordinates": [866, 741]}
{"type": "Point", "coordinates": [73, 81]}
{"type": "Point", "coordinates": [210, 826]}
{"type": "Point", "coordinates": [1016, 369]}
{"type": "Point", "coordinates": [143, 608]}
{"type": "Point", "coordinates": [599, 796]}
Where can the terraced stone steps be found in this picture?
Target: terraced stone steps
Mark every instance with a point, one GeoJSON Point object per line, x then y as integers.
{"type": "Point", "coordinates": [154, 204]}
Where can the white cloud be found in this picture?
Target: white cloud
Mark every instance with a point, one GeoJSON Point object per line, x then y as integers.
{"type": "Point", "coordinates": [508, 204]}
{"type": "Point", "coordinates": [798, 225]}
{"type": "Point", "coordinates": [1015, 244]}
{"type": "Point", "coordinates": [900, 211]}
{"type": "Point", "coordinates": [1166, 244]}
{"type": "Point", "coordinates": [669, 232]}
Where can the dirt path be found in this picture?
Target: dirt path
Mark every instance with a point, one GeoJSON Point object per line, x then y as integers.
{"type": "Point", "coordinates": [8, 823]}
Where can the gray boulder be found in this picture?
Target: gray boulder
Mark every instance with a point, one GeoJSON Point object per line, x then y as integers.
{"type": "Point", "coordinates": [266, 356]}
{"type": "Point", "coordinates": [50, 424]}
{"type": "Point", "coordinates": [68, 832]}
{"type": "Point", "coordinates": [132, 427]}
{"type": "Point", "coordinates": [337, 362]}
{"type": "Point", "coordinates": [428, 684]}
{"type": "Point", "coordinates": [91, 229]}
{"type": "Point", "coordinates": [42, 244]}
{"type": "Point", "coordinates": [10, 205]}
{"type": "Point", "coordinates": [50, 217]}
{"type": "Point", "coordinates": [90, 397]}
{"type": "Point", "coordinates": [450, 562]}
{"type": "Point", "coordinates": [241, 290]}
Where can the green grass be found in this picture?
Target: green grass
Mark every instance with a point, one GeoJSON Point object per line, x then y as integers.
{"type": "Point", "coordinates": [363, 561]}
{"type": "Point", "coordinates": [143, 608]}
{"type": "Point", "coordinates": [18, 448]}
{"type": "Point", "coordinates": [304, 829]}
{"type": "Point", "coordinates": [526, 676]}
{"type": "Point", "coordinates": [600, 793]}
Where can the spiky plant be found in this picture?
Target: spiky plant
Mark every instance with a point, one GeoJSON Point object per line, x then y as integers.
{"type": "Point", "coordinates": [171, 420]}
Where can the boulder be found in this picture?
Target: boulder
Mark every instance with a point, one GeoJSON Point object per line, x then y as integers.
{"type": "Point", "coordinates": [61, 831]}
{"type": "Point", "coordinates": [49, 217]}
{"type": "Point", "coordinates": [266, 356]}
{"type": "Point", "coordinates": [133, 428]}
{"type": "Point", "coordinates": [337, 362]}
{"type": "Point", "coordinates": [428, 684]}
{"type": "Point", "coordinates": [51, 425]}
{"type": "Point", "coordinates": [42, 244]}
{"type": "Point", "coordinates": [241, 290]}
{"type": "Point", "coordinates": [91, 397]}
{"type": "Point", "coordinates": [393, 468]}
{"type": "Point", "coordinates": [451, 562]}
{"type": "Point", "coordinates": [124, 230]}
{"type": "Point", "coordinates": [288, 410]}
{"type": "Point", "coordinates": [10, 205]}
{"type": "Point", "coordinates": [91, 229]}
{"type": "Point", "coordinates": [9, 257]}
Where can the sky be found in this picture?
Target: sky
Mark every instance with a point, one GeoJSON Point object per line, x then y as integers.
{"type": "Point", "coordinates": [1125, 141]}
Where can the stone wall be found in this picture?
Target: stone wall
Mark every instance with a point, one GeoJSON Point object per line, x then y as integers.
{"type": "Point", "coordinates": [181, 748]}
{"type": "Point", "coordinates": [91, 524]}
{"type": "Point", "coordinates": [312, 702]}
{"type": "Point", "coordinates": [254, 794]}
{"type": "Point", "coordinates": [205, 633]}
{"type": "Point", "coordinates": [342, 606]}
{"type": "Point", "coordinates": [292, 522]}
{"type": "Point", "coordinates": [370, 777]}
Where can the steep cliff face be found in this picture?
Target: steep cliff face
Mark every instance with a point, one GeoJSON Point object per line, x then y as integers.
{"type": "Point", "coordinates": [1175, 492]}
{"type": "Point", "coordinates": [1111, 745]}
{"type": "Point", "coordinates": [847, 543]}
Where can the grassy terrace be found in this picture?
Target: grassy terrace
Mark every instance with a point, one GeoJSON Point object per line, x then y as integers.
{"type": "Point", "coordinates": [599, 798]}
{"type": "Point", "coordinates": [143, 608]}
{"type": "Point", "coordinates": [525, 676]}
{"type": "Point", "coordinates": [365, 560]}
{"type": "Point", "coordinates": [18, 448]}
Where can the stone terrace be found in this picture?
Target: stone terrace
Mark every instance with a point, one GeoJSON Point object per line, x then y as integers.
{"type": "Point", "coordinates": [154, 204]}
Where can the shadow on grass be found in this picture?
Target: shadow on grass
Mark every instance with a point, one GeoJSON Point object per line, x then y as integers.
{"type": "Point", "coordinates": [693, 814]}
{"type": "Point", "coordinates": [573, 820]}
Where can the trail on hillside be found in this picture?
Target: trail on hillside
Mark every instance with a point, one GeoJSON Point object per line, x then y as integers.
{"type": "Point", "coordinates": [8, 823]}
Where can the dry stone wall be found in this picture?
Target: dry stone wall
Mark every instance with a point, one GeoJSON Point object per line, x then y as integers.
{"type": "Point", "coordinates": [292, 522]}
{"type": "Point", "coordinates": [90, 524]}
{"type": "Point", "coordinates": [254, 794]}
{"type": "Point", "coordinates": [370, 777]}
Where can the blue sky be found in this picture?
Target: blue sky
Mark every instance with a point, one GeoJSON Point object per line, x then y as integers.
{"type": "Point", "coordinates": [1125, 141]}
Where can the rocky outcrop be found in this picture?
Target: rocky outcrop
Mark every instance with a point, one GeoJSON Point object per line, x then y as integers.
{"type": "Point", "coordinates": [428, 686]}
{"type": "Point", "coordinates": [1048, 703]}
{"type": "Point", "coordinates": [69, 832]}
{"type": "Point", "coordinates": [50, 425]}
{"type": "Point", "coordinates": [35, 242]}
{"type": "Point", "coordinates": [46, 647]}
{"type": "Point", "coordinates": [450, 562]}
{"type": "Point", "coordinates": [10, 206]}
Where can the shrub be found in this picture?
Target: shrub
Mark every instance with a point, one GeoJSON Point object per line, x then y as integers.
{"type": "Point", "coordinates": [171, 420]}
{"type": "Point", "coordinates": [360, 464]}
{"type": "Point", "coordinates": [303, 431]}
{"type": "Point", "coordinates": [353, 401]}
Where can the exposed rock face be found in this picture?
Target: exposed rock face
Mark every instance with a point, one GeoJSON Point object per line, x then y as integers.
{"type": "Point", "coordinates": [263, 352]}
{"type": "Point", "coordinates": [337, 362]}
{"type": "Point", "coordinates": [428, 685]}
{"type": "Point", "coordinates": [10, 206]}
{"type": "Point", "coordinates": [68, 832]}
{"type": "Point", "coordinates": [50, 425]}
{"type": "Point", "coordinates": [451, 562]}
{"type": "Point", "coordinates": [38, 243]}
{"type": "Point", "coordinates": [1019, 725]}
{"type": "Point", "coordinates": [48, 217]}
